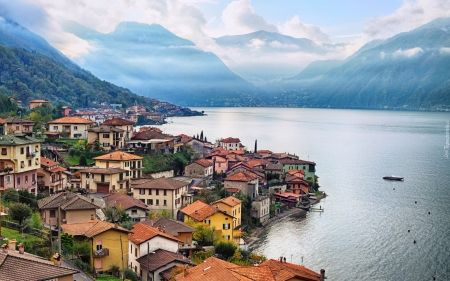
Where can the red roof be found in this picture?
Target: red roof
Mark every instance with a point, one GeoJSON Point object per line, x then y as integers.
{"type": "Point", "coordinates": [71, 120]}
{"type": "Point", "coordinates": [230, 201]}
{"type": "Point", "coordinates": [142, 232]}
{"type": "Point", "coordinates": [231, 140]}
{"type": "Point", "coordinates": [242, 176]}
{"type": "Point", "coordinates": [117, 122]}
{"type": "Point", "coordinates": [203, 162]}
{"type": "Point", "coordinates": [127, 202]}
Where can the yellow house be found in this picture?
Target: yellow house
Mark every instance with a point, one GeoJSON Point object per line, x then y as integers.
{"type": "Point", "coordinates": [214, 217]}
{"type": "Point", "coordinates": [109, 138]}
{"type": "Point", "coordinates": [109, 242]}
{"type": "Point", "coordinates": [131, 163]}
{"type": "Point", "coordinates": [230, 205]}
{"type": "Point", "coordinates": [104, 180]}
{"type": "Point", "coordinates": [74, 127]}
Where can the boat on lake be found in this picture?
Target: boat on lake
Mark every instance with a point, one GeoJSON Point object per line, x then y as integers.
{"type": "Point", "coordinates": [393, 178]}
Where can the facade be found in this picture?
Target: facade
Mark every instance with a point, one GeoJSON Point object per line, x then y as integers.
{"type": "Point", "coordinates": [231, 144]}
{"type": "Point", "coordinates": [261, 209]}
{"type": "Point", "coordinates": [247, 182]}
{"type": "Point", "coordinates": [118, 159]}
{"type": "Point", "coordinates": [296, 183]}
{"type": "Point", "coordinates": [152, 141]}
{"type": "Point", "coordinates": [119, 123]}
{"type": "Point", "coordinates": [36, 103]}
{"type": "Point", "coordinates": [19, 126]}
{"type": "Point", "coordinates": [104, 180]}
{"type": "Point", "coordinates": [107, 239]}
{"type": "Point", "coordinates": [199, 169]}
{"type": "Point", "coordinates": [163, 195]}
{"type": "Point", "coordinates": [287, 198]}
{"type": "Point", "coordinates": [74, 127]}
{"type": "Point", "coordinates": [19, 162]}
{"type": "Point", "coordinates": [2, 127]}
{"type": "Point", "coordinates": [109, 138]}
{"type": "Point", "coordinates": [137, 210]}
{"type": "Point", "coordinates": [54, 177]}
{"type": "Point", "coordinates": [74, 208]}
{"type": "Point", "coordinates": [200, 147]}
{"type": "Point", "coordinates": [230, 205]}
{"type": "Point", "coordinates": [296, 164]}
{"type": "Point", "coordinates": [158, 266]}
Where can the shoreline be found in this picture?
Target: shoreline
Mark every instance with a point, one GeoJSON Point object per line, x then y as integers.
{"type": "Point", "coordinates": [256, 233]}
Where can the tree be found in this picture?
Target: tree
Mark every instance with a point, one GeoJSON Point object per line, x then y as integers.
{"type": "Point", "coordinates": [27, 198]}
{"type": "Point", "coordinates": [67, 242]}
{"type": "Point", "coordinates": [130, 274]}
{"type": "Point", "coordinates": [225, 249]}
{"type": "Point", "coordinates": [159, 214]}
{"type": "Point", "coordinates": [82, 249]}
{"type": "Point", "coordinates": [72, 152]}
{"type": "Point", "coordinates": [11, 195]}
{"type": "Point", "coordinates": [207, 196]}
{"type": "Point", "coordinates": [205, 235]}
{"type": "Point", "coordinates": [201, 135]}
{"type": "Point", "coordinates": [19, 212]}
{"type": "Point", "coordinates": [256, 146]}
{"type": "Point", "coordinates": [36, 221]}
{"type": "Point", "coordinates": [83, 160]}
{"type": "Point", "coordinates": [116, 213]}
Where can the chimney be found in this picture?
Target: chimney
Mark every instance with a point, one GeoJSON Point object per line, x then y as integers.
{"type": "Point", "coordinates": [281, 259]}
{"type": "Point", "coordinates": [21, 248]}
{"type": "Point", "coordinates": [57, 259]}
{"type": "Point", "coordinates": [92, 217]}
{"type": "Point", "coordinates": [12, 244]}
{"type": "Point", "coordinates": [322, 275]}
{"type": "Point", "coordinates": [185, 271]}
{"type": "Point", "coordinates": [5, 248]}
{"type": "Point", "coordinates": [92, 200]}
{"type": "Point", "coordinates": [115, 224]}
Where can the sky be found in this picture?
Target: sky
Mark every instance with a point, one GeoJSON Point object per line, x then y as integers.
{"type": "Point", "coordinates": [353, 22]}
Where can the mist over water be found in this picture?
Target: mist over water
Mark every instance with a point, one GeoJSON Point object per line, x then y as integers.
{"type": "Point", "coordinates": [363, 232]}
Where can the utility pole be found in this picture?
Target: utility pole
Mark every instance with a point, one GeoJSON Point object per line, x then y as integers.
{"type": "Point", "coordinates": [59, 229]}
{"type": "Point", "coordinates": [1, 209]}
{"type": "Point", "coordinates": [121, 249]}
{"type": "Point", "coordinates": [148, 254]}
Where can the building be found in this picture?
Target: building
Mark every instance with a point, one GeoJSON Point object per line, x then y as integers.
{"type": "Point", "coordinates": [19, 265]}
{"type": "Point", "coordinates": [74, 208]}
{"type": "Point", "coordinates": [230, 205]}
{"type": "Point", "coordinates": [104, 180]}
{"type": "Point", "coordinates": [109, 242]}
{"type": "Point", "coordinates": [19, 162]}
{"type": "Point", "coordinates": [296, 164]}
{"type": "Point", "coordinates": [51, 177]}
{"type": "Point", "coordinates": [71, 127]}
{"type": "Point", "coordinates": [36, 103]}
{"type": "Point", "coordinates": [119, 123]}
{"type": "Point", "coordinates": [160, 263]}
{"type": "Point", "coordinates": [287, 198]}
{"type": "Point", "coordinates": [135, 208]}
{"type": "Point", "coordinates": [163, 195]}
{"type": "Point", "coordinates": [231, 144]}
{"type": "Point", "coordinates": [17, 125]}
{"type": "Point", "coordinates": [144, 239]}
{"type": "Point", "coordinates": [201, 168]}
{"type": "Point", "coordinates": [118, 159]}
{"type": "Point", "coordinates": [296, 183]}
{"type": "Point", "coordinates": [271, 270]}
{"type": "Point", "coordinates": [211, 216]}
{"type": "Point", "coordinates": [66, 110]}
{"type": "Point", "coordinates": [261, 209]}
{"type": "Point", "coordinates": [245, 181]}
{"type": "Point", "coordinates": [177, 229]}
{"type": "Point", "coordinates": [220, 164]}
{"type": "Point", "coordinates": [152, 141]}
{"type": "Point", "coordinates": [109, 138]}
{"type": "Point", "coordinates": [2, 127]}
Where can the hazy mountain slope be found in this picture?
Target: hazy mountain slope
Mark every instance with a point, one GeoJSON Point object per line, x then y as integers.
{"type": "Point", "coordinates": [152, 61]}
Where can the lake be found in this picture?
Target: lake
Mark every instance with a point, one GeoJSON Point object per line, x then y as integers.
{"type": "Point", "coordinates": [363, 232]}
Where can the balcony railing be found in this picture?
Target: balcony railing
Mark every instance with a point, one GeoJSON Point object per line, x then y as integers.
{"type": "Point", "coordinates": [100, 253]}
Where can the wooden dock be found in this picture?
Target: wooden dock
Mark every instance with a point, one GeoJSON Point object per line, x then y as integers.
{"type": "Point", "coordinates": [317, 209]}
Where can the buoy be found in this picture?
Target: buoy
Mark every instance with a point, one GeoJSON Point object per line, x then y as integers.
{"type": "Point", "coordinates": [394, 188]}
{"type": "Point", "coordinates": [408, 230]}
{"type": "Point", "coordinates": [414, 241]}
{"type": "Point", "coordinates": [429, 213]}
{"type": "Point", "coordinates": [415, 202]}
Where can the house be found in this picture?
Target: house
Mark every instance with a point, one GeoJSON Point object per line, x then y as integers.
{"type": "Point", "coordinates": [74, 208]}
{"type": "Point", "coordinates": [152, 141]}
{"type": "Point", "coordinates": [19, 162]}
{"type": "Point", "coordinates": [71, 127]}
{"type": "Point", "coordinates": [2, 126]}
{"type": "Point", "coordinates": [220, 164]}
{"type": "Point", "coordinates": [104, 180]}
{"type": "Point", "coordinates": [66, 110]}
{"type": "Point", "coordinates": [177, 229]}
{"type": "Point", "coordinates": [118, 159]}
{"type": "Point", "coordinates": [296, 164]}
{"type": "Point", "coordinates": [53, 176]}
{"type": "Point", "coordinates": [296, 183]}
{"type": "Point", "coordinates": [19, 126]}
{"type": "Point", "coordinates": [36, 103]}
{"type": "Point", "coordinates": [230, 205]}
{"type": "Point", "coordinates": [19, 265]}
{"type": "Point", "coordinates": [109, 138]}
{"type": "Point", "coordinates": [287, 198]}
{"type": "Point", "coordinates": [200, 147]}
{"type": "Point", "coordinates": [231, 144]}
{"type": "Point", "coordinates": [108, 241]}
{"type": "Point", "coordinates": [211, 216]}
{"type": "Point", "coordinates": [245, 181]}
{"type": "Point", "coordinates": [144, 239]}
{"type": "Point", "coordinates": [137, 210]}
{"type": "Point", "coordinates": [119, 123]}
{"type": "Point", "coordinates": [215, 269]}
{"type": "Point", "coordinates": [274, 168]}
{"type": "Point", "coordinates": [163, 195]}
{"type": "Point", "coordinates": [199, 169]}
{"type": "Point", "coordinates": [261, 209]}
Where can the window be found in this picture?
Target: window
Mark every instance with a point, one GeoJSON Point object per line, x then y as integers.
{"type": "Point", "coordinates": [157, 192]}
{"type": "Point", "coordinates": [98, 263]}
{"type": "Point", "coordinates": [37, 148]}
{"type": "Point", "coordinates": [165, 192]}
{"type": "Point", "coordinates": [99, 245]}
{"type": "Point", "coordinates": [4, 151]}
{"type": "Point", "coordinates": [55, 128]}
{"type": "Point", "coordinates": [131, 248]}
{"type": "Point", "coordinates": [29, 163]}
{"type": "Point", "coordinates": [142, 191]}
{"type": "Point", "coordinates": [87, 175]}
{"type": "Point", "coordinates": [22, 164]}
{"type": "Point", "coordinates": [18, 180]}
{"type": "Point", "coordinates": [22, 150]}
{"type": "Point", "coordinates": [142, 200]}
{"type": "Point", "coordinates": [226, 237]}
{"type": "Point", "coordinates": [106, 136]}
{"type": "Point", "coordinates": [149, 192]}
{"type": "Point", "coordinates": [207, 222]}
{"type": "Point", "coordinates": [53, 213]}
{"type": "Point", "coordinates": [157, 202]}
{"type": "Point", "coordinates": [105, 144]}
{"type": "Point", "coordinates": [165, 202]}
{"type": "Point", "coordinates": [134, 211]}
{"type": "Point", "coordinates": [26, 179]}
{"type": "Point", "coordinates": [149, 201]}
{"type": "Point", "coordinates": [36, 161]}
{"type": "Point", "coordinates": [75, 128]}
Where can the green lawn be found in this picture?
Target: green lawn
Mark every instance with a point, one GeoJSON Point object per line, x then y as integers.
{"type": "Point", "coordinates": [107, 278]}
{"type": "Point", "coordinates": [14, 234]}
{"type": "Point", "coordinates": [75, 160]}
{"type": "Point", "coordinates": [69, 142]}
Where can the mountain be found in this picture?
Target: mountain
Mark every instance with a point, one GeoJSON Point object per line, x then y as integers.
{"type": "Point", "coordinates": [152, 61]}
{"type": "Point", "coordinates": [410, 70]}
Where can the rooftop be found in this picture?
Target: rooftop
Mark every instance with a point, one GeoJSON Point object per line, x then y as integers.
{"type": "Point", "coordinates": [127, 202]}
{"type": "Point", "coordinates": [230, 201]}
{"type": "Point", "coordinates": [106, 129]}
{"type": "Point", "coordinates": [67, 201]}
{"type": "Point", "coordinates": [161, 258]}
{"type": "Point", "coordinates": [244, 176]}
{"type": "Point", "coordinates": [173, 227]}
{"type": "Point", "coordinates": [17, 139]}
{"type": "Point", "coordinates": [143, 232]}
{"type": "Point", "coordinates": [118, 156]}
{"type": "Point", "coordinates": [16, 120]}
{"type": "Point", "coordinates": [117, 122]}
{"type": "Point", "coordinates": [90, 228]}
{"type": "Point", "coordinates": [106, 171]}
{"type": "Point", "coordinates": [203, 162]}
{"type": "Point", "coordinates": [231, 140]}
{"type": "Point", "coordinates": [71, 120]}
{"type": "Point", "coordinates": [161, 183]}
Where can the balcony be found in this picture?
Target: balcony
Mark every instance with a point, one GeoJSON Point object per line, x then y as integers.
{"type": "Point", "coordinates": [187, 246]}
{"type": "Point", "coordinates": [31, 154]}
{"type": "Point", "coordinates": [100, 253]}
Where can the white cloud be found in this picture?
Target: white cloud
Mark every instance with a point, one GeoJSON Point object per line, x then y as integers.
{"type": "Point", "coordinates": [382, 55]}
{"type": "Point", "coordinates": [409, 53]}
{"type": "Point", "coordinates": [256, 44]}
{"type": "Point", "coordinates": [240, 17]}
{"type": "Point", "coordinates": [445, 51]}
{"type": "Point", "coordinates": [295, 28]}
{"type": "Point", "coordinates": [278, 45]}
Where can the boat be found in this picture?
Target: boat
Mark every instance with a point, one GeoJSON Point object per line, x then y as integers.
{"type": "Point", "coordinates": [393, 178]}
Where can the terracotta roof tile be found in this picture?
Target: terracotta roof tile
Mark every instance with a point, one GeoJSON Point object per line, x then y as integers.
{"type": "Point", "coordinates": [127, 202]}
{"type": "Point", "coordinates": [289, 161]}
{"type": "Point", "coordinates": [161, 183]}
{"type": "Point", "coordinates": [38, 101]}
{"type": "Point", "coordinates": [201, 213]}
{"type": "Point", "coordinates": [256, 273]}
{"type": "Point", "coordinates": [48, 162]}
{"type": "Point", "coordinates": [231, 140]}
{"type": "Point", "coordinates": [213, 269]}
{"type": "Point", "coordinates": [142, 232]}
{"type": "Point", "coordinates": [118, 156]}
{"type": "Point", "coordinates": [299, 271]}
{"type": "Point", "coordinates": [244, 176]}
{"type": "Point", "coordinates": [173, 227]}
{"type": "Point", "coordinates": [90, 228]}
{"type": "Point", "coordinates": [161, 258]}
{"type": "Point", "coordinates": [71, 120]}
{"type": "Point", "coordinates": [118, 122]}
{"type": "Point", "coordinates": [2, 121]}
{"type": "Point", "coordinates": [230, 201]}
{"type": "Point", "coordinates": [203, 162]}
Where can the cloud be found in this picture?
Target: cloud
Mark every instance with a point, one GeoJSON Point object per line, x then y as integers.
{"type": "Point", "coordinates": [295, 28]}
{"type": "Point", "coordinates": [411, 14]}
{"type": "Point", "coordinates": [445, 51]}
{"type": "Point", "coordinates": [409, 53]}
{"type": "Point", "coordinates": [240, 17]}
{"type": "Point", "coordinates": [382, 55]}
{"type": "Point", "coordinates": [278, 45]}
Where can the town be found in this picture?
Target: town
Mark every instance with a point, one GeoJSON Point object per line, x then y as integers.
{"type": "Point", "coordinates": [90, 195]}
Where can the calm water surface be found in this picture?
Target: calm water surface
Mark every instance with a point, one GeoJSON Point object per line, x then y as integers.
{"type": "Point", "coordinates": [363, 233]}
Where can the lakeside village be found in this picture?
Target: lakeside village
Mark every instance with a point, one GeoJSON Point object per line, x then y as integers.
{"type": "Point", "coordinates": [89, 200]}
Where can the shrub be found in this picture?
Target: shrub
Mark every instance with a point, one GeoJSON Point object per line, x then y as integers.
{"type": "Point", "coordinates": [19, 212]}
{"type": "Point", "coordinates": [225, 249]}
{"type": "Point", "coordinates": [11, 195]}
{"type": "Point", "coordinates": [129, 274]}
{"type": "Point", "coordinates": [83, 160]}
{"type": "Point", "coordinates": [82, 265]}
